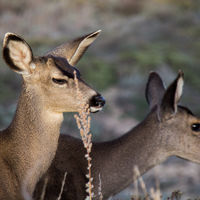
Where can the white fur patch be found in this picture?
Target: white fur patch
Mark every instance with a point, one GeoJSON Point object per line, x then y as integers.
{"type": "Point", "coordinates": [95, 109]}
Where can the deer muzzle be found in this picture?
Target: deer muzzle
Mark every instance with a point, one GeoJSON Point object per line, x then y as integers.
{"type": "Point", "coordinates": [96, 103]}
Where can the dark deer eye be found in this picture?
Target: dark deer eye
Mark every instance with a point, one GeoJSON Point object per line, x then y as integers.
{"type": "Point", "coordinates": [59, 81]}
{"type": "Point", "coordinates": [196, 127]}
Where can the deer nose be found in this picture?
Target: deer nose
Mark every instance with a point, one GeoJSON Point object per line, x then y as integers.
{"type": "Point", "coordinates": [97, 101]}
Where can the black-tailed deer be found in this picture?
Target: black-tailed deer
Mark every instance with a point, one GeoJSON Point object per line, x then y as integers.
{"type": "Point", "coordinates": [167, 130]}
{"type": "Point", "coordinates": [29, 144]}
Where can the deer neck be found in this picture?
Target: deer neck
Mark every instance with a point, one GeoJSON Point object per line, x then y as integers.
{"type": "Point", "coordinates": [34, 134]}
{"type": "Point", "coordinates": [141, 147]}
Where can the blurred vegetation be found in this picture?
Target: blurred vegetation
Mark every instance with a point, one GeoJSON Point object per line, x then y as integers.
{"type": "Point", "coordinates": [98, 72]}
{"type": "Point", "coordinates": [137, 37]}
{"type": "Point", "coordinates": [167, 37]}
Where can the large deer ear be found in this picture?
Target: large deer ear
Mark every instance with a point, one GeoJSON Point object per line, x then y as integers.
{"type": "Point", "coordinates": [74, 50]}
{"type": "Point", "coordinates": [154, 90]}
{"type": "Point", "coordinates": [173, 95]}
{"type": "Point", "coordinates": [17, 53]}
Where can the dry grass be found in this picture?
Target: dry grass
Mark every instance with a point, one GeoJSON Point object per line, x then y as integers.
{"type": "Point", "coordinates": [62, 186]}
{"type": "Point", "coordinates": [155, 194]}
{"type": "Point", "coordinates": [100, 189]}
{"type": "Point", "coordinates": [44, 188]}
{"type": "Point", "coordinates": [83, 120]}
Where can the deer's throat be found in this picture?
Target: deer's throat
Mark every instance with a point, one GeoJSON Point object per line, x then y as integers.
{"type": "Point", "coordinates": [34, 132]}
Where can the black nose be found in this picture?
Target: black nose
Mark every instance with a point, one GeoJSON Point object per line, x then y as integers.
{"type": "Point", "coordinates": [97, 101]}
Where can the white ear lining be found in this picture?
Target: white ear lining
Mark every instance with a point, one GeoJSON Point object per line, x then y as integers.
{"type": "Point", "coordinates": [179, 91]}
{"type": "Point", "coordinates": [19, 49]}
{"type": "Point", "coordinates": [17, 53]}
{"type": "Point", "coordinates": [84, 44]}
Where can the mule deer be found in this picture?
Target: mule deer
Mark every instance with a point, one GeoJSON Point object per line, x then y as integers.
{"type": "Point", "coordinates": [167, 130]}
{"type": "Point", "coordinates": [29, 144]}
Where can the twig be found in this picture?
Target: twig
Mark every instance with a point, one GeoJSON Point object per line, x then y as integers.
{"type": "Point", "coordinates": [62, 186]}
{"type": "Point", "coordinates": [100, 189]}
{"type": "Point", "coordinates": [44, 188]}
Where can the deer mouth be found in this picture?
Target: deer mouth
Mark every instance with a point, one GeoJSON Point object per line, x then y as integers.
{"type": "Point", "coordinates": [96, 103]}
{"type": "Point", "coordinates": [95, 109]}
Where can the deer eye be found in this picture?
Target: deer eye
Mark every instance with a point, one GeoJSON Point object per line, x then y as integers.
{"type": "Point", "coordinates": [59, 81]}
{"type": "Point", "coordinates": [196, 127]}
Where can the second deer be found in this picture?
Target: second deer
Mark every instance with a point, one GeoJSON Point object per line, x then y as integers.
{"type": "Point", "coordinates": [168, 130]}
{"type": "Point", "coordinates": [29, 144]}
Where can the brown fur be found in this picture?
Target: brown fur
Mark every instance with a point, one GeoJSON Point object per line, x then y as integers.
{"type": "Point", "coordinates": [29, 144]}
{"type": "Point", "coordinates": [161, 134]}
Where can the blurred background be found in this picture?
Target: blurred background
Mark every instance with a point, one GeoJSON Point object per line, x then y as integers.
{"type": "Point", "coordinates": [138, 36]}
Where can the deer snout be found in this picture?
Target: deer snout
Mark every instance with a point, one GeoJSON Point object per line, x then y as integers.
{"type": "Point", "coordinates": [96, 103]}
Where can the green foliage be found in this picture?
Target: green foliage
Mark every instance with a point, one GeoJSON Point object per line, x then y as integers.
{"type": "Point", "coordinates": [8, 84]}
{"type": "Point", "coordinates": [186, 4]}
{"type": "Point", "coordinates": [152, 56]}
{"type": "Point", "coordinates": [146, 57]}
{"type": "Point", "coordinates": [98, 72]}
{"type": "Point", "coordinates": [188, 63]}
{"type": "Point", "coordinates": [139, 109]}
{"type": "Point", "coordinates": [179, 59]}
{"type": "Point", "coordinates": [16, 6]}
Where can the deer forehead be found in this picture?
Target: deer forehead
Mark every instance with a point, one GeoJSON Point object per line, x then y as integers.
{"type": "Point", "coordinates": [185, 116]}
{"type": "Point", "coordinates": [192, 119]}
{"type": "Point", "coordinates": [57, 66]}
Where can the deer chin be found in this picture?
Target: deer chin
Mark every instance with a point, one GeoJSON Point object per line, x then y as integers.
{"type": "Point", "coordinates": [95, 109]}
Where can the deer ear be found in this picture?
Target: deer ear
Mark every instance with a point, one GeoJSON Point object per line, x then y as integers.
{"type": "Point", "coordinates": [74, 50]}
{"type": "Point", "coordinates": [154, 90]}
{"type": "Point", "coordinates": [17, 53]}
{"type": "Point", "coordinates": [173, 95]}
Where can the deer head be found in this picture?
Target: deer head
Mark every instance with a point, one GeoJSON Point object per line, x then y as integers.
{"type": "Point", "coordinates": [52, 76]}
{"type": "Point", "coordinates": [48, 90]}
{"type": "Point", "coordinates": [179, 127]}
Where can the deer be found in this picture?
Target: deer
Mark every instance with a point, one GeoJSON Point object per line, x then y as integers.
{"type": "Point", "coordinates": [29, 143]}
{"type": "Point", "coordinates": [168, 130]}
